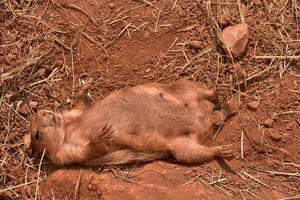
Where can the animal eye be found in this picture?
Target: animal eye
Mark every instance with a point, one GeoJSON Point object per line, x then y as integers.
{"type": "Point", "coordinates": [37, 135]}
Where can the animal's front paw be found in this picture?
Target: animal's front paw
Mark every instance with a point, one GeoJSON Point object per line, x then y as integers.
{"type": "Point", "coordinates": [226, 152]}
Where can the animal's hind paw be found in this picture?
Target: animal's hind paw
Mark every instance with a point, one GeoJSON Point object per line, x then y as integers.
{"type": "Point", "coordinates": [231, 106]}
{"type": "Point", "coordinates": [226, 152]}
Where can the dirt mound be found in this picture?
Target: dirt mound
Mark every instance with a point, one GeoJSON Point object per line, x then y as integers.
{"type": "Point", "coordinates": [153, 181]}
{"type": "Point", "coordinates": [47, 46]}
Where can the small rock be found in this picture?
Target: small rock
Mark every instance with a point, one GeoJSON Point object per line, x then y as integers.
{"type": "Point", "coordinates": [236, 38]}
{"type": "Point", "coordinates": [59, 63]}
{"type": "Point", "coordinates": [253, 105]}
{"type": "Point", "coordinates": [33, 104]}
{"type": "Point", "coordinates": [224, 20]}
{"type": "Point", "coordinates": [111, 5]}
{"type": "Point", "coordinates": [270, 151]}
{"type": "Point", "coordinates": [275, 136]}
{"type": "Point", "coordinates": [22, 108]}
{"type": "Point", "coordinates": [49, 69]}
{"type": "Point", "coordinates": [68, 100]}
{"type": "Point", "coordinates": [250, 21]}
{"type": "Point", "coordinates": [257, 2]}
{"type": "Point", "coordinates": [47, 88]}
{"type": "Point", "coordinates": [268, 123]}
{"type": "Point", "coordinates": [147, 35]}
{"type": "Point", "coordinates": [260, 149]}
{"type": "Point", "coordinates": [194, 44]}
{"type": "Point", "coordinates": [42, 71]}
{"type": "Point", "coordinates": [189, 171]}
{"type": "Point", "coordinates": [291, 126]}
{"type": "Point", "coordinates": [238, 69]}
{"type": "Point", "coordinates": [295, 83]}
{"type": "Point", "coordinates": [10, 94]}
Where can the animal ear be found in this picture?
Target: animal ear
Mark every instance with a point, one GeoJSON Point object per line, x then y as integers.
{"type": "Point", "coordinates": [37, 135]}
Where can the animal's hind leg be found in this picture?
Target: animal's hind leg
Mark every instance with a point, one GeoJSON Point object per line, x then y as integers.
{"type": "Point", "coordinates": [186, 150]}
{"type": "Point", "coordinates": [191, 90]}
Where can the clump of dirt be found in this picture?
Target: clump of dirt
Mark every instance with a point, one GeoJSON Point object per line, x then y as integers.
{"type": "Point", "coordinates": [48, 47]}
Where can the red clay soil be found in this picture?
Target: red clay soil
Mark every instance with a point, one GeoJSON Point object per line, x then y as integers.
{"type": "Point", "coordinates": [47, 46]}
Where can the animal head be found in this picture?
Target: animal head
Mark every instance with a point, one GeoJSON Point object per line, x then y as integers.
{"type": "Point", "coordinates": [45, 131]}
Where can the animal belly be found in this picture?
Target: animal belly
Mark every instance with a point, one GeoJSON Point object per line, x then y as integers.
{"type": "Point", "coordinates": [142, 141]}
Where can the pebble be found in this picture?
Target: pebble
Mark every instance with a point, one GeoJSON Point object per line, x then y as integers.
{"type": "Point", "coordinates": [236, 38]}
{"type": "Point", "coordinates": [59, 63]}
{"type": "Point", "coordinates": [291, 126]}
{"type": "Point", "coordinates": [257, 2]}
{"type": "Point", "coordinates": [250, 21]}
{"type": "Point", "coordinates": [275, 136]}
{"type": "Point", "coordinates": [224, 20]}
{"type": "Point", "coordinates": [111, 5]}
{"type": "Point", "coordinates": [42, 71]}
{"type": "Point", "coordinates": [22, 108]}
{"type": "Point", "coordinates": [194, 44]}
{"type": "Point", "coordinates": [253, 105]}
{"type": "Point", "coordinates": [238, 68]}
{"type": "Point", "coordinates": [268, 122]}
{"type": "Point", "coordinates": [68, 100]}
{"type": "Point", "coordinates": [33, 104]}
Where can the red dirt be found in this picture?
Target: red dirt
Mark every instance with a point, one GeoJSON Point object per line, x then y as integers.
{"type": "Point", "coordinates": [147, 54]}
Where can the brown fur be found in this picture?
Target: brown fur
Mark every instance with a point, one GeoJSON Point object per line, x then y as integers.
{"type": "Point", "coordinates": [141, 123]}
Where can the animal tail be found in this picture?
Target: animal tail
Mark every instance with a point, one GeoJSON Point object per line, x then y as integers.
{"type": "Point", "coordinates": [127, 156]}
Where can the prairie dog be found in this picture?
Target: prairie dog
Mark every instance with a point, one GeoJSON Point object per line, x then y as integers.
{"type": "Point", "coordinates": [141, 123]}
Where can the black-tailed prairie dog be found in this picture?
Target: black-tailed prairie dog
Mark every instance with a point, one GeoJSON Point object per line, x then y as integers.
{"type": "Point", "coordinates": [141, 123]}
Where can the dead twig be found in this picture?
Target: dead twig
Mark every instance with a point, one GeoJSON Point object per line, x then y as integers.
{"type": "Point", "coordinates": [16, 186]}
{"type": "Point", "coordinates": [194, 58]}
{"type": "Point", "coordinates": [174, 5]}
{"type": "Point", "coordinates": [72, 6]}
{"type": "Point", "coordinates": [151, 4]}
{"type": "Point", "coordinates": [188, 28]}
{"type": "Point", "coordinates": [38, 176]}
{"type": "Point", "coordinates": [258, 74]}
{"type": "Point", "coordinates": [252, 177]}
{"type": "Point", "coordinates": [278, 57]}
{"type": "Point", "coordinates": [296, 174]}
{"type": "Point", "coordinates": [242, 144]}
{"type": "Point", "coordinates": [217, 181]}
{"type": "Point", "coordinates": [290, 198]}
{"type": "Point", "coordinates": [286, 112]}
{"type": "Point", "coordinates": [76, 193]}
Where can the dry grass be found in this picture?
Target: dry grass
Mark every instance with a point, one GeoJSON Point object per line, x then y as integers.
{"type": "Point", "coordinates": [29, 39]}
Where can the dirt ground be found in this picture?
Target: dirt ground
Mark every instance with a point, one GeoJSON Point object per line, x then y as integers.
{"type": "Point", "coordinates": [47, 47]}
